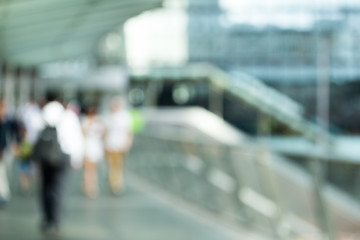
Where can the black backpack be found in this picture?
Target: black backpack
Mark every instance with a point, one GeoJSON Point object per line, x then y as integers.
{"type": "Point", "coordinates": [47, 149]}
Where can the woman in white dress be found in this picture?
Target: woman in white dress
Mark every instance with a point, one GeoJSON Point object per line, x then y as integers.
{"type": "Point", "coordinates": [93, 133]}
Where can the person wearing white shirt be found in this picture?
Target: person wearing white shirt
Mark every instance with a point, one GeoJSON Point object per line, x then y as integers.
{"type": "Point", "coordinates": [118, 140]}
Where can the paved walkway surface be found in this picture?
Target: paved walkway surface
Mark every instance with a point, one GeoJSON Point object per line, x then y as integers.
{"type": "Point", "coordinates": [138, 214]}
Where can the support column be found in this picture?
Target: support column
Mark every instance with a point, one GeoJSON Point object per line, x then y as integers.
{"type": "Point", "coordinates": [24, 87]}
{"type": "Point", "coordinates": [9, 87]}
{"type": "Point", "coordinates": [216, 100]}
{"type": "Point", "coordinates": [38, 87]}
{"type": "Point", "coordinates": [2, 77]}
{"type": "Point", "coordinates": [318, 168]}
{"type": "Point", "coordinates": [152, 92]}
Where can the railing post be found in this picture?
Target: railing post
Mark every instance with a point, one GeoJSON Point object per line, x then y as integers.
{"type": "Point", "coordinates": [231, 168]}
{"type": "Point", "coordinates": [318, 174]}
{"type": "Point", "coordinates": [322, 140]}
{"type": "Point", "coordinates": [269, 183]}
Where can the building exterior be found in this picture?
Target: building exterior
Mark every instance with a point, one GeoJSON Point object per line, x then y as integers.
{"type": "Point", "coordinates": [288, 47]}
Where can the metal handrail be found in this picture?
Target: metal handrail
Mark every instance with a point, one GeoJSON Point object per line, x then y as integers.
{"type": "Point", "coordinates": [288, 112]}
{"type": "Point", "coordinates": [248, 174]}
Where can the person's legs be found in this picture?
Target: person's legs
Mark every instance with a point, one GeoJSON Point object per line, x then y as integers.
{"type": "Point", "coordinates": [25, 176]}
{"type": "Point", "coordinates": [4, 185]}
{"type": "Point", "coordinates": [46, 194]}
{"type": "Point", "coordinates": [90, 178]}
{"type": "Point", "coordinates": [52, 180]}
{"type": "Point", "coordinates": [120, 180]}
{"type": "Point", "coordinates": [115, 171]}
{"type": "Point", "coordinates": [95, 178]}
{"type": "Point", "coordinates": [58, 195]}
{"type": "Point", "coordinates": [111, 165]}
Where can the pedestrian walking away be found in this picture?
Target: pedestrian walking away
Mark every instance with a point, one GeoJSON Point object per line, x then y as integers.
{"type": "Point", "coordinates": [118, 140]}
{"type": "Point", "coordinates": [58, 146]}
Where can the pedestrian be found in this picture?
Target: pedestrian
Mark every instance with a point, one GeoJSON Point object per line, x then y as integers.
{"type": "Point", "coordinates": [9, 140]}
{"type": "Point", "coordinates": [59, 145]}
{"type": "Point", "coordinates": [24, 161]}
{"type": "Point", "coordinates": [31, 123]}
{"type": "Point", "coordinates": [93, 130]}
{"type": "Point", "coordinates": [118, 140]}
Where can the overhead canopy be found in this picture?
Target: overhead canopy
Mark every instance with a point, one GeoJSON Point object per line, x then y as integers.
{"type": "Point", "coordinates": [38, 31]}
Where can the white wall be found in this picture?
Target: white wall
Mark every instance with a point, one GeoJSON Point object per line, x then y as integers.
{"type": "Point", "coordinates": [157, 38]}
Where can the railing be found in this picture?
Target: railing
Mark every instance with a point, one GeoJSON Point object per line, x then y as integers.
{"type": "Point", "coordinates": [242, 86]}
{"type": "Point", "coordinates": [244, 184]}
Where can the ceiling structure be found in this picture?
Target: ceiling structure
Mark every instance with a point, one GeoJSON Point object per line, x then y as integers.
{"type": "Point", "coordinates": [38, 31]}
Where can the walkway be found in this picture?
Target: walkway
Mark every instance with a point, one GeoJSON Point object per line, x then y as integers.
{"type": "Point", "coordinates": [137, 215]}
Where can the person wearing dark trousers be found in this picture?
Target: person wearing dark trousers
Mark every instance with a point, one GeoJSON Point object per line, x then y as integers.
{"type": "Point", "coordinates": [59, 144]}
{"type": "Point", "coordinates": [52, 188]}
